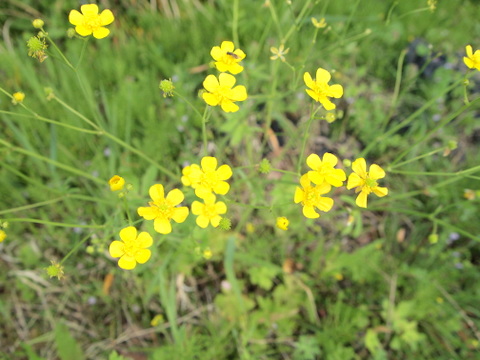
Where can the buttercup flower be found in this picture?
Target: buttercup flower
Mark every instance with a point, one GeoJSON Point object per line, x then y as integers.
{"type": "Point", "coordinates": [366, 182]}
{"type": "Point", "coordinates": [221, 92]}
{"type": "Point", "coordinates": [324, 170]}
{"type": "Point", "coordinates": [282, 223]}
{"type": "Point", "coordinates": [90, 22]}
{"type": "Point", "coordinates": [3, 235]}
{"type": "Point", "coordinates": [209, 212]}
{"type": "Point", "coordinates": [209, 179]}
{"type": "Point", "coordinates": [132, 249]}
{"type": "Point", "coordinates": [187, 171]}
{"type": "Point", "coordinates": [226, 58]}
{"type": "Point", "coordinates": [18, 97]}
{"type": "Point", "coordinates": [319, 24]}
{"type": "Point", "coordinates": [320, 90]}
{"type": "Point", "coordinates": [162, 209]}
{"type": "Point", "coordinates": [116, 183]}
{"type": "Point", "coordinates": [310, 197]}
{"type": "Point", "coordinates": [279, 53]}
{"type": "Point", "coordinates": [473, 58]}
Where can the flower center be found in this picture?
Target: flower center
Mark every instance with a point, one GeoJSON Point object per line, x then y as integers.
{"type": "Point", "coordinates": [209, 179]}
{"type": "Point", "coordinates": [321, 89]}
{"type": "Point", "coordinates": [209, 211]}
{"type": "Point", "coordinates": [164, 209]}
{"type": "Point", "coordinates": [311, 196]}
{"type": "Point", "coordinates": [130, 248]}
{"type": "Point", "coordinates": [370, 183]}
{"type": "Point", "coordinates": [92, 22]}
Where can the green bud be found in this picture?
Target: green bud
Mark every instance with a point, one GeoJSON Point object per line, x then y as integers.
{"type": "Point", "coordinates": [264, 166]}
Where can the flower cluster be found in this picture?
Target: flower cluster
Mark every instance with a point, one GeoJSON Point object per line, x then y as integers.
{"type": "Point", "coordinates": [222, 90]}
{"type": "Point", "coordinates": [323, 175]}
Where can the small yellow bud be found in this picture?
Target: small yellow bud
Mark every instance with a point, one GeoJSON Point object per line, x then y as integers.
{"type": "Point", "coordinates": [282, 223]}
{"type": "Point", "coordinates": [90, 250]}
{"type": "Point", "coordinates": [38, 23]}
{"type": "Point", "coordinates": [338, 276]}
{"type": "Point", "coordinates": [207, 253]}
{"type": "Point", "coordinates": [18, 97]}
{"type": "Point", "coordinates": [330, 117]}
{"type": "Point", "coordinates": [3, 235]}
{"type": "Point", "coordinates": [167, 87]}
{"type": "Point", "coordinates": [116, 183]}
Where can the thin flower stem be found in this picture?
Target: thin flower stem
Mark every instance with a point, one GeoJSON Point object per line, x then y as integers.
{"type": "Point", "coordinates": [53, 223]}
{"type": "Point", "coordinates": [75, 248]}
{"type": "Point", "coordinates": [298, 21]}
{"type": "Point", "coordinates": [204, 131]}
{"type": "Point", "coordinates": [33, 206]}
{"type": "Point", "coordinates": [235, 21]}
{"type": "Point", "coordinates": [285, 171]}
{"type": "Point", "coordinates": [273, 13]}
{"type": "Point", "coordinates": [72, 110]}
{"type": "Point", "coordinates": [415, 159]}
{"type": "Point", "coordinates": [82, 52]}
{"type": "Point", "coordinates": [188, 103]}
{"type": "Point", "coordinates": [305, 137]}
{"type": "Point", "coordinates": [270, 102]}
{"type": "Point", "coordinates": [458, 173]}
{"type": "Point", "coordinates": [69, 64]}
{"type": "Point", "coordinates": [125, 206]}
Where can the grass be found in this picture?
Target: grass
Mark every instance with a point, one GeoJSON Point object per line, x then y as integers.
{"type": "Point", "coordinates": [394, 281]}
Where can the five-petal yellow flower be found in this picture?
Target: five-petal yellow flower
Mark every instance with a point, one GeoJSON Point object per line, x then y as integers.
{"type": "Point", "coordinates": [208, 178]}
{"type": "Point", "coordinates": [366, 182]}
{"type": "Point", "coordinates": [89, 21]}
{"type": "Point", "coordinates": [132, 249]}
{"type": "Point", "coordinates": [221, 92]}
{"type": "Point", "coordinates": [472, 60]}
{"type": "Point", "coordinates": [162, 209]}
{"type": "Point", "coordinates": [227, 58]}
{"type": "Point", "coordinates": [310, 197]}
{"type": "Point", "coordinates": [320, 90]}
{"type": "Point", "coordinates": [324, 170]}
{"type": "Point", "coordinates": [209, 212]}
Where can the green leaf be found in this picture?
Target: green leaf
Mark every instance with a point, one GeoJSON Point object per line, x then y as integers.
{"type": "Point", "coordinates": [67, 346]}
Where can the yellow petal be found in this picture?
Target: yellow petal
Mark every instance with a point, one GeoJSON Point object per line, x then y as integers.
{"type": "Point", "coordinates": [83, 30]}
{"type": "Point", "coordinates": [330, 159]}
{"type": "Point", "coordinates": [239, 93]}
{"type": "Point", "coordinates": [216, 53]}
{"type": "Point", "coordinates": [100, 33]}
{"type": "Point", "coordinates": [316, 177]}
{"type": "Point", "coordinates": [324, 204]}
{"type": "Point", "coordinates": [322, 76]}
{"type": "Point", "coordinates": [309, 212]}
{"type": "Point", "coordinates": [235, 68]}
{"type": "Point", "coordinates": [142, 256]}
{"type": "Point", "coordinates": [359, 166]}
{"type": "Point", "coordinates": [469, 62]}
{"type": "Point", "coordinates": [210, 99]}
{"type": "Point", "coordinates": [362, 199]}
{"type": "Point", "coordinates": [220, 207]}
{"type": "Point", "coordinates": [162, 226]}
{"type": "Point", "coordinates": [128, 234]}
{"type": "Point", "coordinates": [312, 94]}
{"type": "Point", "coordinates": [89, 9]}
{"type": "Point", "coordinates": [148, 213]}
{"type": "Point", "coordinates": [299, 195]}
{"type": "Point", "coordinates": [380, 191]}
{"type": "Point", "coordinates": [224, 172]}
{"type": "Point", "coordinates": [221, 188]}
{"type": "Point", "coordinates": [314, 162]}
{"type": "Point", "coordinates": [127, 262]}
{"type": "Point", "coordinates": [327, 104]}
{"type": "Point", "coordinates": [202, 192]}
{"type": "Point", "coordinates": [229, 106]}
{"type": "Point", "coordinates": [376, 172]}
{"type": "Point", "coordinates": [240, 54]}
{"type": "Point", "coordinates": [76, 18]}
{"type": "Point", "coordinates": [307, 78]}
{"type": "Point", "coordinates": [221, 66]}
{"type": "Point", "coordinates": [226, 80]}
{"type": "Point", "coordinates": [197, 207]}
{"type": "Point", "coordinates": [116, 249]}
{"type": "Point", "coordinates": [468, 50]}
{"type": "Point", "coordinates": [175, 197]}
{"type": "Point", "coordinates": [227, 46]}
{"type": "Point", "coordinates": [215, 221]}
{"type": "Point", "coordinates": [180, 214]}
{"type": "Point", "coordinates": [106, 17]}
{"type": "Point", "coordinates": [209, 163]}
{"type": "Point", "coordinates": [353, 181]}
{"type": "Point", "coordinates": [202, 221]}
{"type": "Point", "coordinates": [323, 188]}
{"type": "Point", "coordinates": [304, 181]}
{"type": "Point", "coordinates": [211, 83]}
{"type": "Point", "coordinates": [335, 91]}
{"type": "Point", "coordinates": [144, 240]}
{"type": "Point", "coordinates": [157, 193]}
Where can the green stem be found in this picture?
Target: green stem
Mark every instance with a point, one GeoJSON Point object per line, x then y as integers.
{"type": "Point", "coordinates": [204, 131]}
{"type": "Point", "coordinates": [458, 173]}
{"type": "Point", "coordinates": [53, 223]}
{"type": "Point", "coordinates": [32, 206]}
{"type": "Point", "coordinates": [298, 21]}
{"type": "Point", "coordinates": [75, 248]}
{"type": "Point", "coordinates": [235, 21]}
{"type": "Point", "coordinates": [69, 64]}
{"type": "Point", "coordinates": [189, 104]}
{"type": "Point", "coordinates": [415, 159]}
{"type": "Point", "coordinates": [72, 110]}
{"type": "Point", "coordinates": [305, 137]}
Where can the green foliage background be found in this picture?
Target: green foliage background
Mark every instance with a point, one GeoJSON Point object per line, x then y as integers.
{"type": "Point", "coordinates": [355, 284]}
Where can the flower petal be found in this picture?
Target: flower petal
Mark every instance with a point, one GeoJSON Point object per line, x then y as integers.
{"type": "Point", "coordinates": [323, 188]}
{"type": "Point", "coordinates": [330, 159]}
{"type": "Point", "coordinates": [229, 106]}
{"type": "Point", "coordinates": [469, 62]}
{"type": "Point", "coordinates": [376, 172]}
{"type": "Point", "coordinates": [83, 30]}
{"type": "Point", "coordinates": [209, 163]}
{"type": "Point", "coordinates": [144, 240]}
{"type": "Point", "coordinates": [127, 262]}
{"type": "Point", "coordinates": [89, 9]}
{"type": "Point", "coordinates": [211, 83]}
{"type": "Point", "coordinates": [210, 99]}
{"type": "Point", "coordinates": [240, 54]}
{"type": "Point", "coordinates": [304, 181]}
{"type": "Point", "coordinates": [180, 214]}
{"type": "Point", "coordinates": [162, 226]}
{"type": "Point", "coordinates": [327, 104]}
{"type": "Point", "coordinates": [314, 162]}
{"type": "Point", "coordinates": [353, 181]}
{"type": "Point", "coordinates": [106, 17]}
{"type": "Point", "coordinates": [307, 78]}
{"type": "Point", "coordinates": [148, 213]}
{"type": "Point", "coordinates": [362, 199]}
{"type": "Point", "coordinates": [309, 212]}
{"type": "Point", "coordinates": [197, 207]}
{"type": "Point", "coordinates": [220, 207]}
{"type": "Point", "coordinates": [100, 33]}
{"type": "Point", "coordinates": [299, 195]}
{"type": "Point", "coordinates": [76, 18]}
{"type": "Point", "coordinates": [202, 221]}
{"type": "Point", "coordinates": [128, 234]}
{"type": "Point", "coordinates": [335, 91]}
{"type": "Point", "coordinates": [380, 191]}
{"type": "Point", "coordinates": [239, 93]}
{"type": "Point", "coordinates": [221, 187]}
{"type": "Point", "coordinates": [116, 248]}
{"type": "Point", "coordinates": [175, 197]}
{"type": "Point", "coordinates": [316, 177]}
{"type": "Point", "coordinates": [227, 46]}
{"type": "Point", "coordinates": [359, 166]}
{"type": "Point", "coordinates": [324, 204]}
{"type": "Point", "coordinates": [468, 50]}
{"type": "Point", "coordinates": [217, 53]}
{"type": "Point", "coordinates": [157, 193]}
{"type": "Point", "coordinates": [143, 255]}
{"type": "Point", "coordinates": [312, 94]}
{"type": "Point", "coordinates": [226, 80]}
{"type": "Point", "coordinates": [224, 172]}
{"type": "Point", "coordinates": [215, 221]}
{"type": "Point", "coordinates": [235, 68]}
{"type": "Point", "coordinates": [322, 76]}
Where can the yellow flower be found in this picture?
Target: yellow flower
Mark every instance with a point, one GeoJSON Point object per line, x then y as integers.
{"type": "Point", "coordinates": [226, 58]}
{"type": "Point", "coordinates": [279, 53]}
{"type": "Point", "coordinates": [90, 22]}
{"type": "Point", "coordinates": [319, 24]}
{"type": "Point", "coordinates": [366, 182]}
{"type": "Point", "coordinates": [3, 235]}
{"type": "Point", "coordinates": [157, 320]}
{"type": "Point", "coordinates": [132, 248]}
{"type": "Point", "coordinates": [282, 223]}
{"type": "Point", "coordinates": [209, 212]}
{"type": "Point", "coordinates": [116, 183]}
{"type": "Point", "coordinates": [208, 178]}
{"type": "Point", "coordinates": [18, 97]}
{"type": "Point", "coordinates": [324, 170]}
{"type": "Point", "coordinates": [221, 92]}
{"type": "Point", "coordinates": [310, 197]}
{"type": "Point", "coordinates": [473, 59]}
{"type": "Point", "coordinates": [162, 209]}
{"type": "Point", "coordinates": [187, 172]}
{"type": "Point", "coordinates": [320, 90]}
